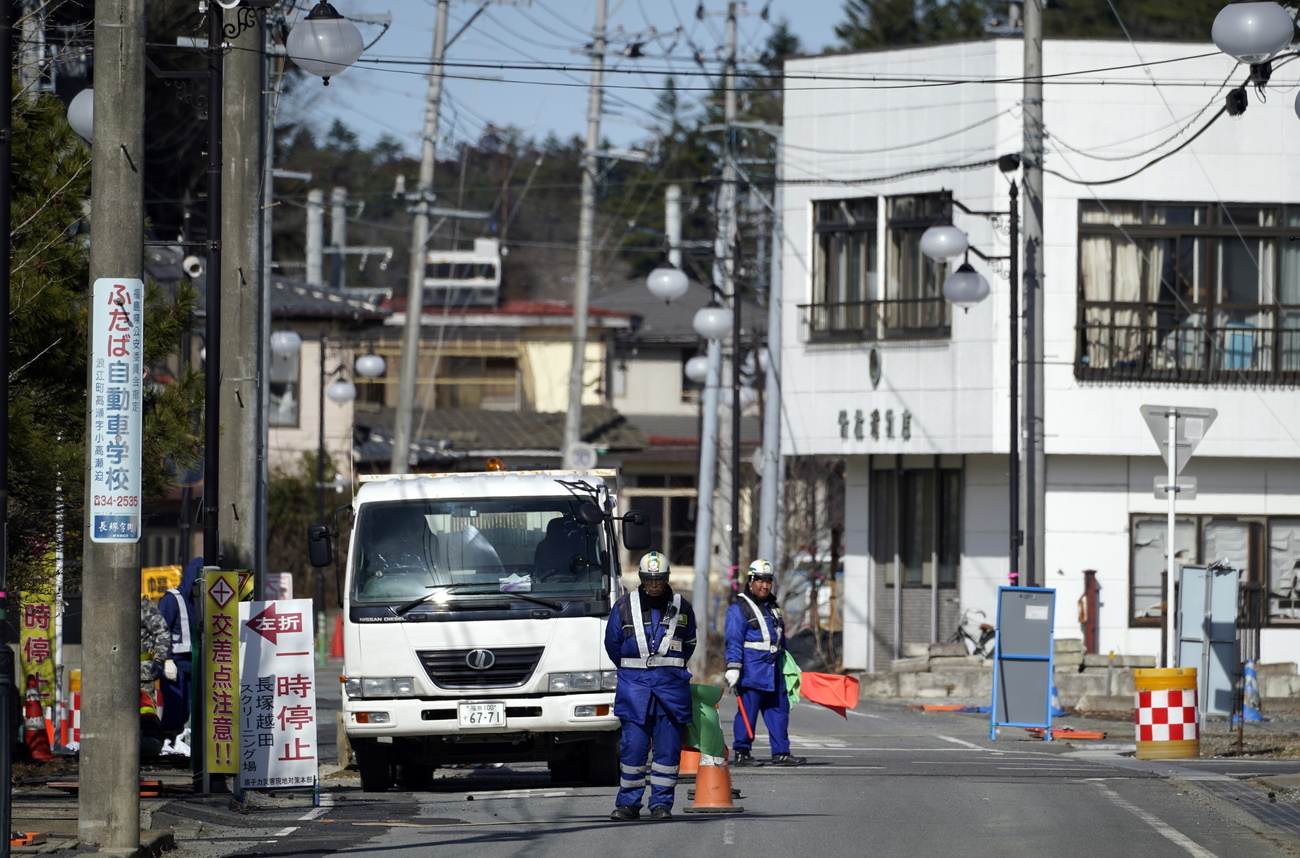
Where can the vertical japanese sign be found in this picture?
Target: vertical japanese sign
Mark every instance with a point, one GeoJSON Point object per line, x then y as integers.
{"type": "Point", "coordinates": [221, 669]}
{"type": "Point", "coordinates": [277, 695]}
{"type": "Point", "coordinates": [36, 643]}
{"type": "Point", "coordinates": [116, 396]}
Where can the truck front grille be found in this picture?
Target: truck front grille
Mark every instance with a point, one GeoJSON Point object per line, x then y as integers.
{"type": "Point", "coordinates": [503, 667]}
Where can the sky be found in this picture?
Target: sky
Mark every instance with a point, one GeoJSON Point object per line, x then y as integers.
{"type": "Point", "coordinates": [385, 93]}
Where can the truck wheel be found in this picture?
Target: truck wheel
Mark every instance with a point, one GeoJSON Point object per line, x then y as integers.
{"type": "Point", "coordinates": [603, 761]}
{"type": "Point", "coordinates": [374, 766]}
{"type": "Point", "coordinates": [415, 777]}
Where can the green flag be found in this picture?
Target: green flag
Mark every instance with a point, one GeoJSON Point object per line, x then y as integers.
{"type": "Point", "coordinates": [793, 678]}
{"type": "Point", "coordinates": [705, 731]}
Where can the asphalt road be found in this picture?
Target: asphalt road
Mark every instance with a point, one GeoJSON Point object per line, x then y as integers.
{"type": "Point", "coordinates": [888, 780]}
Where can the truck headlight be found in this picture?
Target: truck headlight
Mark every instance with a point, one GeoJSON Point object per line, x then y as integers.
{"type": "Point", "coordinates": [574, 683]}
{"type": "Point", "coordinates": [380, 686]}
{"type": "Point", "coordinates": [608, 680]}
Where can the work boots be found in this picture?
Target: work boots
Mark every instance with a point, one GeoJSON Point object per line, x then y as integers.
{"type": "Point", "coordinates": [744, 758]}
{"type": "Point", "coordinates": [788, 760]}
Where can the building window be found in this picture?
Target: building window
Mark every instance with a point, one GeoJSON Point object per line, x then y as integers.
{"type": "Point", "coordinates": [917, 526]}
{"type": "Point", "coordinates": [285, 389]}
{"type": "Point", "coordinates": [913, 281]}
{"type": "Point", "coordinates": [1194, 293]}
{"type": "Point", "coordinates": [1265, 550]}
{"type": "Point", "coordinates": [471, 383]}
{"type": "Point", "coordinates": [848, 301]}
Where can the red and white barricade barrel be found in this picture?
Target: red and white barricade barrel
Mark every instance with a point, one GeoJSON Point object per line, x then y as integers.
{"type": "Point", "coordinates": [1166, 714]}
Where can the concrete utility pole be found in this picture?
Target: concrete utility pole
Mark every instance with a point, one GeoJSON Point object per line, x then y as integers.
{"type": "Point", "coordinates": [769, 519]}
{"type": "Point", "coordinates": [728, 496]}
{"type": "Point", "coordinates": [109, 798]}
{"type": "Point", "coordinates": [242, 332]}
{"type": "Point", "coordinates": [1035, 470]}
{"type": "Point", "coordinates": [419, 237]}
{"type": "Point", "coordinates": [586, 227]}
{"type": "Point", "coordinates": [723, 281]}
{"type": "Point", "coordinates": [315, 236]}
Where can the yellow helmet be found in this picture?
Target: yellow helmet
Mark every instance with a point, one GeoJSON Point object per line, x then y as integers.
{"type": "Point", "coordinates": [761, 569]}
{"type": "Point", "coordinates": [653, 566]}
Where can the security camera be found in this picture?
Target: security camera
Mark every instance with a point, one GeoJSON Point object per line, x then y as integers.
{"type": "Point", "coordinates": [193, 266]}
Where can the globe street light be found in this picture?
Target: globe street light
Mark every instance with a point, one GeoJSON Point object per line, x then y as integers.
{"type": "Point", "coordinates": [966, 287]}
{"type": "Point", "coordinates": [1252, 31]}
{"type": "Point", "coordinates": [324, 43]}
{"type": "Point", "coordinates": [667, 282]}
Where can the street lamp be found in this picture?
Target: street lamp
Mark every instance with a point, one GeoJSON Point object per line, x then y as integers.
{"type": "Point", "coordinates": [324, 43]}
{"type": "Point", "coordinates": [1254, 32]}
{"type": "Point", "coordinates": [966, 287]}
{"type": "Point", "coordinates": [341, 391]}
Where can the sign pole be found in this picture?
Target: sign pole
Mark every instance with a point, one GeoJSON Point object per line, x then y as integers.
{"type": "Point", "coordinates": [1172, 490]}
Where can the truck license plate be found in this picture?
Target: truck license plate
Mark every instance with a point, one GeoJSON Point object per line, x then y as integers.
{"type": "Point", "coordinates": [482, 714]}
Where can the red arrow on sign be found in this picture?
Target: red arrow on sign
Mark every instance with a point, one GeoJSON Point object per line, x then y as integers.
{"type": "Point", "coordinates": [269, 624]}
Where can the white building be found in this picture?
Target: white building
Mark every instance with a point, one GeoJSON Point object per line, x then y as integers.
{"type": "Point", "coordinates": [1174, 286]}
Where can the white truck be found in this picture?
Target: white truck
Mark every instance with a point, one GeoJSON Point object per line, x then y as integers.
{"type": "Point", "coordinates": [474, 609]}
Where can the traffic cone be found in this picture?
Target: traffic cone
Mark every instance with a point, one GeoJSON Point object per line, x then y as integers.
{"type": "Point", "coordinates": [38, 744]}
{"type": "Point", "coordinates": [713, 791]}
{"type": "Point", "coordinates": [1250, 698]}
{"type": "Point", "coordinates": [689, 765]}
{"type": "Point", "coordinates": [336, 645]}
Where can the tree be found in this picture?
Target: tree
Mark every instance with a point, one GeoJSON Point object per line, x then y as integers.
{"type": "Point", "coordinates": [48, 327]}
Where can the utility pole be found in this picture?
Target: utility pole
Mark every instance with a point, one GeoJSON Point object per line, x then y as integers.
{"type": "Point", "coordinates": [242, 335]}
{"type": "Point", "coordinates": [7, 703]}
{"type": "Point", "coordinates": [769, 521]}
{"type": "Point", "coordinates": [586, 226]}
{"type": "Point", "coordinates": [109, 798]}
{"type": "Point", "coordinates": [1034, 136]}
{"type": "Point", "coordinates": [419, 237]}
{"type": "Point", "coordinates": [725, 250]}
{"type": "Point", "coordinates": [723, 283]}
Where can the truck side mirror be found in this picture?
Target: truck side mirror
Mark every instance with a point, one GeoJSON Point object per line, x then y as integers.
{"type": "Point", "coordinates": [319, 550]}
{"type": "Point", "coordinates": [636, 530]}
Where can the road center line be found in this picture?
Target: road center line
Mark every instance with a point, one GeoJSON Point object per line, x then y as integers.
{"type": "Point", "coordinates": [1163, 829]}
{"type": "Point", "coordinates": [961, 742]}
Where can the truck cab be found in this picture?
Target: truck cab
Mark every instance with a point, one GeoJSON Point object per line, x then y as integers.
{"type": "Point", "coordinates": [474, 610]}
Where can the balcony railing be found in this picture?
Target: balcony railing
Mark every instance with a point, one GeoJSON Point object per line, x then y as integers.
{"type": "Point", "coordinates": [857, 321]}
{"type": "Point", "coordinates": [1256, 345]}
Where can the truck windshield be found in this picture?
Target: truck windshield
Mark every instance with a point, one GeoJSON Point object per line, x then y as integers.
{"type": "Point", "coordinates": [463, 550]}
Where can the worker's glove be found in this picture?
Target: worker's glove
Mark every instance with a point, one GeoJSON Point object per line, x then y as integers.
{"type": "Point", "coordinates": [733, 676]}
{"type": "Point", "coordinates": [169, 670]}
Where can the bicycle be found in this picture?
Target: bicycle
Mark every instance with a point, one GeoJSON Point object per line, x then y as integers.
{"type": "Point", "coordinates": [981, 646]}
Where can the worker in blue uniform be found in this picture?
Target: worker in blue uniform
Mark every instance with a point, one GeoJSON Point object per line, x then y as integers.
{"type": "Point", "coordinates": [755, 635]}
{"type": "Point", "coordinates": [650, 636]}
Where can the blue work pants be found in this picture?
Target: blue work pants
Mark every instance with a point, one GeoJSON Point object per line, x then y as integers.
{"type": "Point", "coordinates": [664, 735]}
{"type": "Point", "coordinates": [775, 709]}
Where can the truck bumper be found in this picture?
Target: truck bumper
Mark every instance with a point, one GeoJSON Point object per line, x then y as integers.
{"type": "Point", "coordinates": [376, 718]}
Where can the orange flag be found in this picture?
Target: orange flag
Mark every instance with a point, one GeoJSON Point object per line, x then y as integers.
{"type": "Point", "coordinates": [835, 692]}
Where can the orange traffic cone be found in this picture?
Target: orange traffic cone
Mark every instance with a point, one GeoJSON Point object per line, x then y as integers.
{"type": "Point", "coordinates": [38, 744]}
{"type": "Point", "coordinates": [690, 763]}
{"type": "Point", "coordinates": [713, 791]}
{"type": "Point", "coordinates": [336, 646]}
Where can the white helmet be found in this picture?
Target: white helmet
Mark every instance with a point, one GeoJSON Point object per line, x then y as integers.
{"type": "Point", "coordinates": [654, 566]}
{"type": "Point", "coordinates": [761, 569]}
